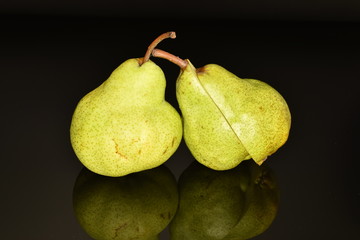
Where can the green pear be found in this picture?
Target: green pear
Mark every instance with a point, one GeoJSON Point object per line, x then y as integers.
{"type": "Point", "coordinates": [125, 125]}
{"type": "Point", "coordinates": [228, 119]}
{"type": "Point", "coordinates": [134, 207]}
{"type": "Point", "coordinates": [235, 204]}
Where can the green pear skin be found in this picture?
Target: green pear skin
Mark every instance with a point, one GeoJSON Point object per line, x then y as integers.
{"type": "Point", "coordinates": [228, 119]}
{"type": "Point", "coordinates": [134, 207]}
{"type": "Point", "coordinates": [125, 125]}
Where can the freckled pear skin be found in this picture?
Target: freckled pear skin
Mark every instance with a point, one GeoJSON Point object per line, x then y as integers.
{"type": "Point", "coordinates": [256, 112]}
{"type": "Point", "coordinates": [206, 132]}
{"type": "Point", "coordinates": [228, 119]}
{"type": "Point", "coordinates": [125, 125]}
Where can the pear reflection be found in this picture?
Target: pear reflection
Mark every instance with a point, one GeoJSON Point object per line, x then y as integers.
{"type": "Point", "coordinates": [236, 204]}
{"type": "Point", "coordinates": [136, 206]}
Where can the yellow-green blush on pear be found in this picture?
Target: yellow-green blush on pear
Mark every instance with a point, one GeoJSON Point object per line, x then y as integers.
{"type": "Point", "coordinates": [228, 119]}
{"type": "Point", "coordinates": [256, 112]}
{"type": "Point", "coordinates": [125, 125]}
{"type": "Point", "coordinates": [206, 131]}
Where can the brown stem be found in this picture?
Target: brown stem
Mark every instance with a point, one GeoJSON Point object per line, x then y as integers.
{"type": "Point", "coordinates": [170, 57]}
{"type": "Point", "coordinates": [154, 44]}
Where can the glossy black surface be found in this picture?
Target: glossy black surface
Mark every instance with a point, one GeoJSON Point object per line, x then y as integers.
{"type": "Point", "coordinates": [48, 63]}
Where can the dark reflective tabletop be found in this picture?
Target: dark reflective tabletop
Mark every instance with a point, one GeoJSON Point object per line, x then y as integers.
{"type": "Point", "coordinates": [308, 189]}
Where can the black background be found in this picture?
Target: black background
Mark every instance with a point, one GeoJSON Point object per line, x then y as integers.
{"type": "Point", "coordinates": [52, 54]}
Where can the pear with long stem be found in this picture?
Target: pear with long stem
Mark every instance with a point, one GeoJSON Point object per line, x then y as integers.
{"type": "Point", "coordinates": [125, 125]}
{"type": "Point", "coordinates": [227, 119]}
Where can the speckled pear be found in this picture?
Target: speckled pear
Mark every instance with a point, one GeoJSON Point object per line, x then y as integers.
{"type": "Point", "coordinates": [125, 125]}
{"type": "Point", "coordinates": [207, 133]}
{"type": "Point", "coordinates": [228, 119]}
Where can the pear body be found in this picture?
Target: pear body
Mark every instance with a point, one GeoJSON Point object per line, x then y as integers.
{"type": "Point", "coordinates": [228, 119]}
{"type": "Point", "coordinates": [206, 132]}
{"type": "Point", "coordinates": [134, 207]}
{"type": "Point", "coordinates": [125, 125]}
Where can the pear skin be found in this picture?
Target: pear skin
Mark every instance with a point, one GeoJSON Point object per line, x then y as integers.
{"type": "Point", "coordinates": [207, 132]}
{"type": "Point", "coordinates": [256, 112]}
{"type": "Point", "coordinates": [228, 119]}
{"type": "Point", "coordinates": [125, 125]}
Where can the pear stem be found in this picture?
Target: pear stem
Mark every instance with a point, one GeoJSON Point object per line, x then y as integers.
{"type": "Point", "coordinates": [154, 44]}
{"type": "Point", "coordinates": [170, 57]}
